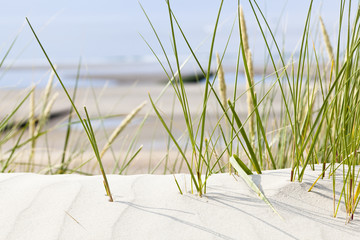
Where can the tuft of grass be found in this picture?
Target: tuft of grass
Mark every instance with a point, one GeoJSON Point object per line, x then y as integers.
{"type": "Point", "coordinates": [316, 122]}
{"type": "Point", "coordinates": [319, 110]}
{"type": "Point", "coordinates": [195, 133]}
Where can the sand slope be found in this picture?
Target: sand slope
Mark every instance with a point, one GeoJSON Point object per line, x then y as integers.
{"type": "Point", "coordinates": [150, 207]}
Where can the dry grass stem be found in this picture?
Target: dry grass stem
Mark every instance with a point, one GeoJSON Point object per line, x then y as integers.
{"type": "Point", "coordinates": [32, 128]}
{"type": "Point", "coordinates": [249, 82]}
{"type": "Point", "coordinates": [46, 113]}
{"type": "Point", "coordinates": [250, 101]}
{"type": "Point", "coordinates": [50, 105]}
{"type": "Point", "coordinates": [121, 127]}
{"type": "Point", "coordinates": [49, 86]}
{"type": "Point", "coordinates": [32, 113]}
{"type": "Point", "coordinates": [329, 48]}
{"type": "Point", "coordinates": [222, 84]}
{"type": "Point", "coordinates": [244, 31]}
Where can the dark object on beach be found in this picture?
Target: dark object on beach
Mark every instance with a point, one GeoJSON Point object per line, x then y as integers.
{"type": "Point", "coordinates": [195, 77]}
{"type": "Point", "coordinates": [25, 123]}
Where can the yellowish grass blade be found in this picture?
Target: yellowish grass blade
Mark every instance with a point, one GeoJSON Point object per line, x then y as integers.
{"type": "Point", "coordinates": [222, 84]}
{"type": "Point", "coordinates": [120, 128]}
{"type": "Point", "coordinates": [326, 37]}
{"type": "Point", "coordinates": [251, 184]}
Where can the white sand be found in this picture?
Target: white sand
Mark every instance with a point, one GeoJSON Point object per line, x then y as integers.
{"type": "Point", "coordinates": [150, 207]}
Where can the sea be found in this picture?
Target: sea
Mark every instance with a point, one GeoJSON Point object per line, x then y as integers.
{"type": "Point", "coordinates": [114, 38]}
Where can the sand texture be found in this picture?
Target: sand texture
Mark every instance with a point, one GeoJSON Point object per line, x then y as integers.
{"type": "Point", "coordinates": [150, 207]}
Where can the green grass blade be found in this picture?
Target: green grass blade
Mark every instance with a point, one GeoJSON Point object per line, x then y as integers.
{"type": "Point", "coordinates": [68, 129]}
{"type": "Point", "coordinates": [253, 158]}
{"type": "Point", "coordinates": [241, 164]}
{"type": "Point", "coordinates": [175, 142]}
{"type": "Point", "coordinates": [86, 124]}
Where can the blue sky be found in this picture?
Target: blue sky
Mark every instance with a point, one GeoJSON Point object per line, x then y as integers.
{"type": "Point", "coordinates": [110, 29]}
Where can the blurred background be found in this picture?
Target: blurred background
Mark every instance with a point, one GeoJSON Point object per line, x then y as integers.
{"type": "Point", "coordinates": [119, 70]}
{"type": "Point", "coordinates": [107, 36]}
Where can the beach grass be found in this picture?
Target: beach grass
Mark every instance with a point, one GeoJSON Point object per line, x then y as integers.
{"type": "Point", "coordinates": [318, 96]}
{"type": "Point", "coordinates": [319, 102]}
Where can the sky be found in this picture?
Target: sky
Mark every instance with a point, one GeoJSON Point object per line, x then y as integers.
{"type": "Point", "coordinates": [110, 29]}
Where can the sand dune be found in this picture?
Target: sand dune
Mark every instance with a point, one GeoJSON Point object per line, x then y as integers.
{"type": "Point", "coordinates": [150, 207]}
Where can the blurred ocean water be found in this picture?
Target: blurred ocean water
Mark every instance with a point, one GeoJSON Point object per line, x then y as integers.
{"type": "Point", "coordinates": [106, 34]}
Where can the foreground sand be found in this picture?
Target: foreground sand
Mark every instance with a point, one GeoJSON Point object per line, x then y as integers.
{"type": "Point", "coordinates": [150, 207]}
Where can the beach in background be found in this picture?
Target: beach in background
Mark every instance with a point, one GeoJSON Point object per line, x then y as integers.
{"type": "Point", "coordinates": [118, 71]}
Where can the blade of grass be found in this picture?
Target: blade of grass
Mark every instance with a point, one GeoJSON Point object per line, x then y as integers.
{"type": "Point", "coordinates": [86, 125]}
{"type": "Point", "coordinates": [253, 158]}
{"type": "Point", "coordinates": [251, 184]}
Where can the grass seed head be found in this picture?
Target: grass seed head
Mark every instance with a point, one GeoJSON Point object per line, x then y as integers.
{"type": "Point", "coordinates": [250, 102]}
{"type": "Point", "coordinates": [244, 36]}
{"type": "Point", "coordinates": [222, 84]}
{"type": "Point", "coordinates": [120, 128]}
{"type": "Point", "coordinates": [329, 48]}
{"type": "Point", "coordinates": [49, 86]}
{"type": "Point", "coordinates": [46, 113]}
